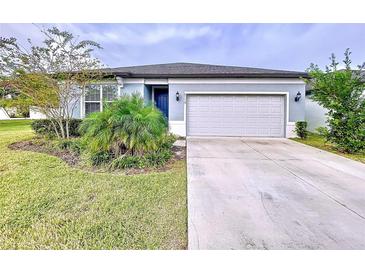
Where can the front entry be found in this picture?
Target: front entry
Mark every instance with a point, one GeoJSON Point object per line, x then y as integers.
{"type": "Point", "coordinates": [161, 97]}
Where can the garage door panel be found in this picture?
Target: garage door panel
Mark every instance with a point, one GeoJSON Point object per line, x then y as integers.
{"type": "Point", "coordinates": [235, 115]}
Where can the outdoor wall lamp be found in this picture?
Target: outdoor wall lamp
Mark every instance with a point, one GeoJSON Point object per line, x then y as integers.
{"type": "Point", "coordinates": [177, 96]}
{"type": "Point", "coordinates": [298, 96]}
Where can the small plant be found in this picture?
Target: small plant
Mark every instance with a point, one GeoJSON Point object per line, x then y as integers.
{"type": "Point", "coordinates": [158, 158]}
{"type": "Point", "coordinates": [64, 144]}
{"type": "Point", "coordinates": [128, 161]}
{"type": "Point", "coordinates": [301, 129]}
{"type": "Point", "coordinates": [322, 131]}
{"type": "Point", "coordinates": [100, 158]}
{"type": "Point", "coordinates": [74, 145]}
{"type": "Point", "coordinates": [151, 159]}
{"type": "Point", "coordinates": [166, 142]}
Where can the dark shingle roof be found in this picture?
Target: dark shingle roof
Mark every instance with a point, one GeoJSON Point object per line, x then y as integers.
{"type": "Point", "coordinates": [192, 70]}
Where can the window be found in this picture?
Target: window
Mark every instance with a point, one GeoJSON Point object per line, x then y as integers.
{"type": "Point", "coordinates": [109, 92]}
{"type": "Point", "coordinates": [95, 95]}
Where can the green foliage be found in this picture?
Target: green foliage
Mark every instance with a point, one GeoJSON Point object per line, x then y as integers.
{"type": "Point", "coordinates": [322, 131]}
{"type": "Point", "coordinates": [341, 93]}
{"type": "Point", "coordinates": [128, 161]}
{"type": "Point", "coordinates": [166, 142]}
{"type": "Point", "coordinates": [158, 158]}
{"type": "Point", "coordinates": [44, 127]}
{"type": "Point", "coordinates": [100, 158]}
{"type": "Point", "coordinates": [124, 126]}
{"type": "Point", "coordinates": [74, 145]}
{"type": "Point", "coordinates": [301, 129]}
{"type": "Point", "coordinates": [50, 75]}
{"type": "Point", "coordinates": [31, 89]}
{"type": "Point", "coordinates": [150, 159]}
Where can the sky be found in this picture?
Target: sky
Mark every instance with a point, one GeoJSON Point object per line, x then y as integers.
{"type": "Point", "coordinates": [275, 46]}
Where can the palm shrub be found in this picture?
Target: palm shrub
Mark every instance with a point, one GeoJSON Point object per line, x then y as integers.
{"type": "Point", "coordinates": [125, 127]}
{"type": "Point", "coordinates": [139, 127]}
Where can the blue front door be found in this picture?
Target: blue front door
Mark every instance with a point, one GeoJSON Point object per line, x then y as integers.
{"type": "Point", "coordinates": [162, 100]}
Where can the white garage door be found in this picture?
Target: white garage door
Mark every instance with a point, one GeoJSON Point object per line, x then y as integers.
{"type": "Point", "coordinates": [235, 115]}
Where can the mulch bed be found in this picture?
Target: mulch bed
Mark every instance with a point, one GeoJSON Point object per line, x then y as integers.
{"type": "Point", "coordinates": [74, 160]}
{"type": "Point", "coordinates": [39, 145]}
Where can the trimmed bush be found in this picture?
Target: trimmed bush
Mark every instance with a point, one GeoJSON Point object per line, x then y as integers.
{"type": "Point", "coordinates": [301, 129]}
{"type": "Point", "coordinates": [45, 128]}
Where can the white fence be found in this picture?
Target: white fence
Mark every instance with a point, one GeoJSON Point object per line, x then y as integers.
{"type": "Point", "coordinates": [315, 115]}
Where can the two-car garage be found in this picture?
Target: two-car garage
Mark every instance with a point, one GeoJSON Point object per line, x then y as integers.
{"type": "Point", "coordinates": [252, 115]}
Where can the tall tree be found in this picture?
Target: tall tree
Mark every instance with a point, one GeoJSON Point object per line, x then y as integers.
{"type": "Point", "coordinates": [341, 92]}
{"type": "Point", "coordinates": [50, 76]}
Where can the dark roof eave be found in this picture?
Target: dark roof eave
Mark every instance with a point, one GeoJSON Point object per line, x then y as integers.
{"type": "Point", "coordinates": [222, 75]}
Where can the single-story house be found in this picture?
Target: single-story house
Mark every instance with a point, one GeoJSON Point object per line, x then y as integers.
{"type": "Point", "coordinates": [210, 100]}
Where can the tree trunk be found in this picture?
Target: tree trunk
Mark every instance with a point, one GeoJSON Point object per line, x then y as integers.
{"type": "Point", "coordinates": [67, 125]}
{"type": "Point", "coordinates": [55, 128]}
{"type": "Point", "coordinates": [60, 122]}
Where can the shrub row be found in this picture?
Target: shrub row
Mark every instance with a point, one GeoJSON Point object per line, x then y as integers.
{"type": "Point", "coordinates": [155, 158]}
{"type": "Point", "coordinates": [44, 127]}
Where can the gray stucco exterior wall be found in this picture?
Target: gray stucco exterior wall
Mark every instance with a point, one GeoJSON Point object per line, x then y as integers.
{"type": "Point", "coordinates": [296, 109]}
{"type": "Point", "coordinates": [147, 94]}
{"type": "Point", "coordinates": [133, 88]}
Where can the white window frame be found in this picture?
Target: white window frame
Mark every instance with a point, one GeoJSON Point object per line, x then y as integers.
{"type": "Point", "coordinates": [84, 101]}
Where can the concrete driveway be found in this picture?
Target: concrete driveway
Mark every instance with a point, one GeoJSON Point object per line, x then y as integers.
{"type": "Point", "coordinates": [272, 194]}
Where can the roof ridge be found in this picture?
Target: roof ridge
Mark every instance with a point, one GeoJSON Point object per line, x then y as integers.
{"type": "Point", "coordinates": [204, 64]}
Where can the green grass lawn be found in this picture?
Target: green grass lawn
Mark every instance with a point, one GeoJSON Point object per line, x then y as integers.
{"type": "Point", "coordinates": [45, 204]}
{"type": "Point", "coordinates": [317, 141]}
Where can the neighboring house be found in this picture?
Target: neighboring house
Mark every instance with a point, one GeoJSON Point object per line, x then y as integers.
{"type": "Point", "coordinates": [201, 100]}
{"type": "Point", "coordinates": [9, 113]}
{"type": "Point", "coordinates": [35, 113]}
{"type": "Point", "coordinates": [4, 114]}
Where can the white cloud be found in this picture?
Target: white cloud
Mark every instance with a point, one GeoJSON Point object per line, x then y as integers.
{"type": "Point", "coordinates": [282, 46]}
{"type": "Point", "coordinates": [187, 33]}
{"type": "Point", "coordinates": [142, 35]}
